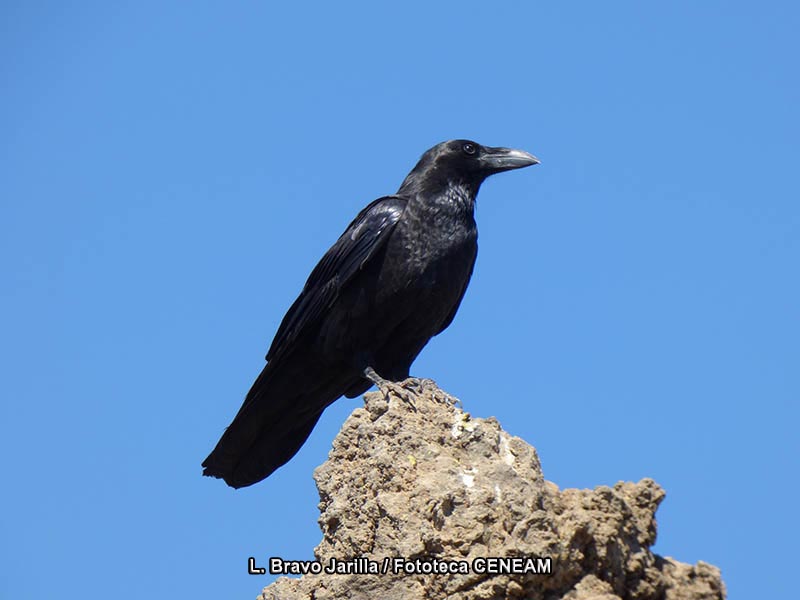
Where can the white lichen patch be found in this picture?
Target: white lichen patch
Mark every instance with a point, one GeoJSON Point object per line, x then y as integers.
{"type": "Point", "coordinates": [505, 450]}
{"type": "Point", "coordinates": [457, 428]}
{"type": "Point", "coordinates": [468, 477]}
{"type": "Point", "coordinates": [462, 423]}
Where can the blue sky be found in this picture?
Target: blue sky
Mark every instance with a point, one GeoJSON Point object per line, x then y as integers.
{"type": "Point", "coordinates": [171, 172]}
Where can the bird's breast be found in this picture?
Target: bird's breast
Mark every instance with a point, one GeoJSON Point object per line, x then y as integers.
{"type": "Point", "coordinates": [434, 248]}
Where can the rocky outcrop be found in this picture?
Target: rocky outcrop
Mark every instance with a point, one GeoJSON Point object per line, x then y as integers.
{"type": "Point", "coordinates": [418, 500]}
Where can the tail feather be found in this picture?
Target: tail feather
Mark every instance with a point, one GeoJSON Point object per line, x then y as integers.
{"type": "Point", "coordinates": [274, 421]}
{"type": "Point", "coordinates": [273, 448]}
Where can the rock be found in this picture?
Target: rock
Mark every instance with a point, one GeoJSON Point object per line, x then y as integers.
{"type": "Point", "coordinates": [427, 483]}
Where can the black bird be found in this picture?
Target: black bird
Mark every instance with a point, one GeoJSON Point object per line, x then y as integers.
{"type": "Point", "coordinates": [391, 282]}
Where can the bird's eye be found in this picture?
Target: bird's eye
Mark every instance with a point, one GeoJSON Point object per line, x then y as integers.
{"type": "Point", "coordinates": [469, 148]}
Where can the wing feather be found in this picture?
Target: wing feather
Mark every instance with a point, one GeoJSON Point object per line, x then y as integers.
{"type": "Point", "coordinates": [367, 234]}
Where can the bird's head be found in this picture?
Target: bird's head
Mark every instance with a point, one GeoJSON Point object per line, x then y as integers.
{"type": "Point", "coordinates": [463, 162]}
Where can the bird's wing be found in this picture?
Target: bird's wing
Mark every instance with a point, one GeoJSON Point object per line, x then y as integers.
{"type": "Point", "coordinates": [361, 240]}
{"type": "Point", "coordinates": [446, 323]}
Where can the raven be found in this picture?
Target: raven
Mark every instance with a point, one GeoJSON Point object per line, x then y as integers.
{"type": "Point", "coordinates": [391, 282]}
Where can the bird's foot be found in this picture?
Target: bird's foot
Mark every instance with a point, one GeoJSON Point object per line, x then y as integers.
{"type": "Point", "coordinates": [420, 385]}
{"type": "Point", "coordinates": [410, 387]}
{"type": "Point", "coordinates": [399, 389]}
{"type": "Point", "coordinates": [417, 384]}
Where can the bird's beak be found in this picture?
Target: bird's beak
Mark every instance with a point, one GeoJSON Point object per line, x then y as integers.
{"type": "Point", "coordinates": [505, 159]}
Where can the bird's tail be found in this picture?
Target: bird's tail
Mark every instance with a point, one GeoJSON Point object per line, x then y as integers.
{"type": "Point", "coordinates": [273, 423]}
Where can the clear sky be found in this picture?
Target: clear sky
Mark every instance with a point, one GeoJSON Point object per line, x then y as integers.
{"type": "Point", "coordinates": [170, 172]}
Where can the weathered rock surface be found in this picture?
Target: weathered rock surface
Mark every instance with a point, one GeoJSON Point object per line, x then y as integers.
{"type": "Point", "coordinates": [429, 482]}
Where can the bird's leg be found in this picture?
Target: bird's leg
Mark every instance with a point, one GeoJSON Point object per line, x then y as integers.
{"type": "Point", "coordinates": [415, 385]}
{"type": "Point", "coordinates": [419, 385]}
{"type": "Point", "coordinates": [386, 386]}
